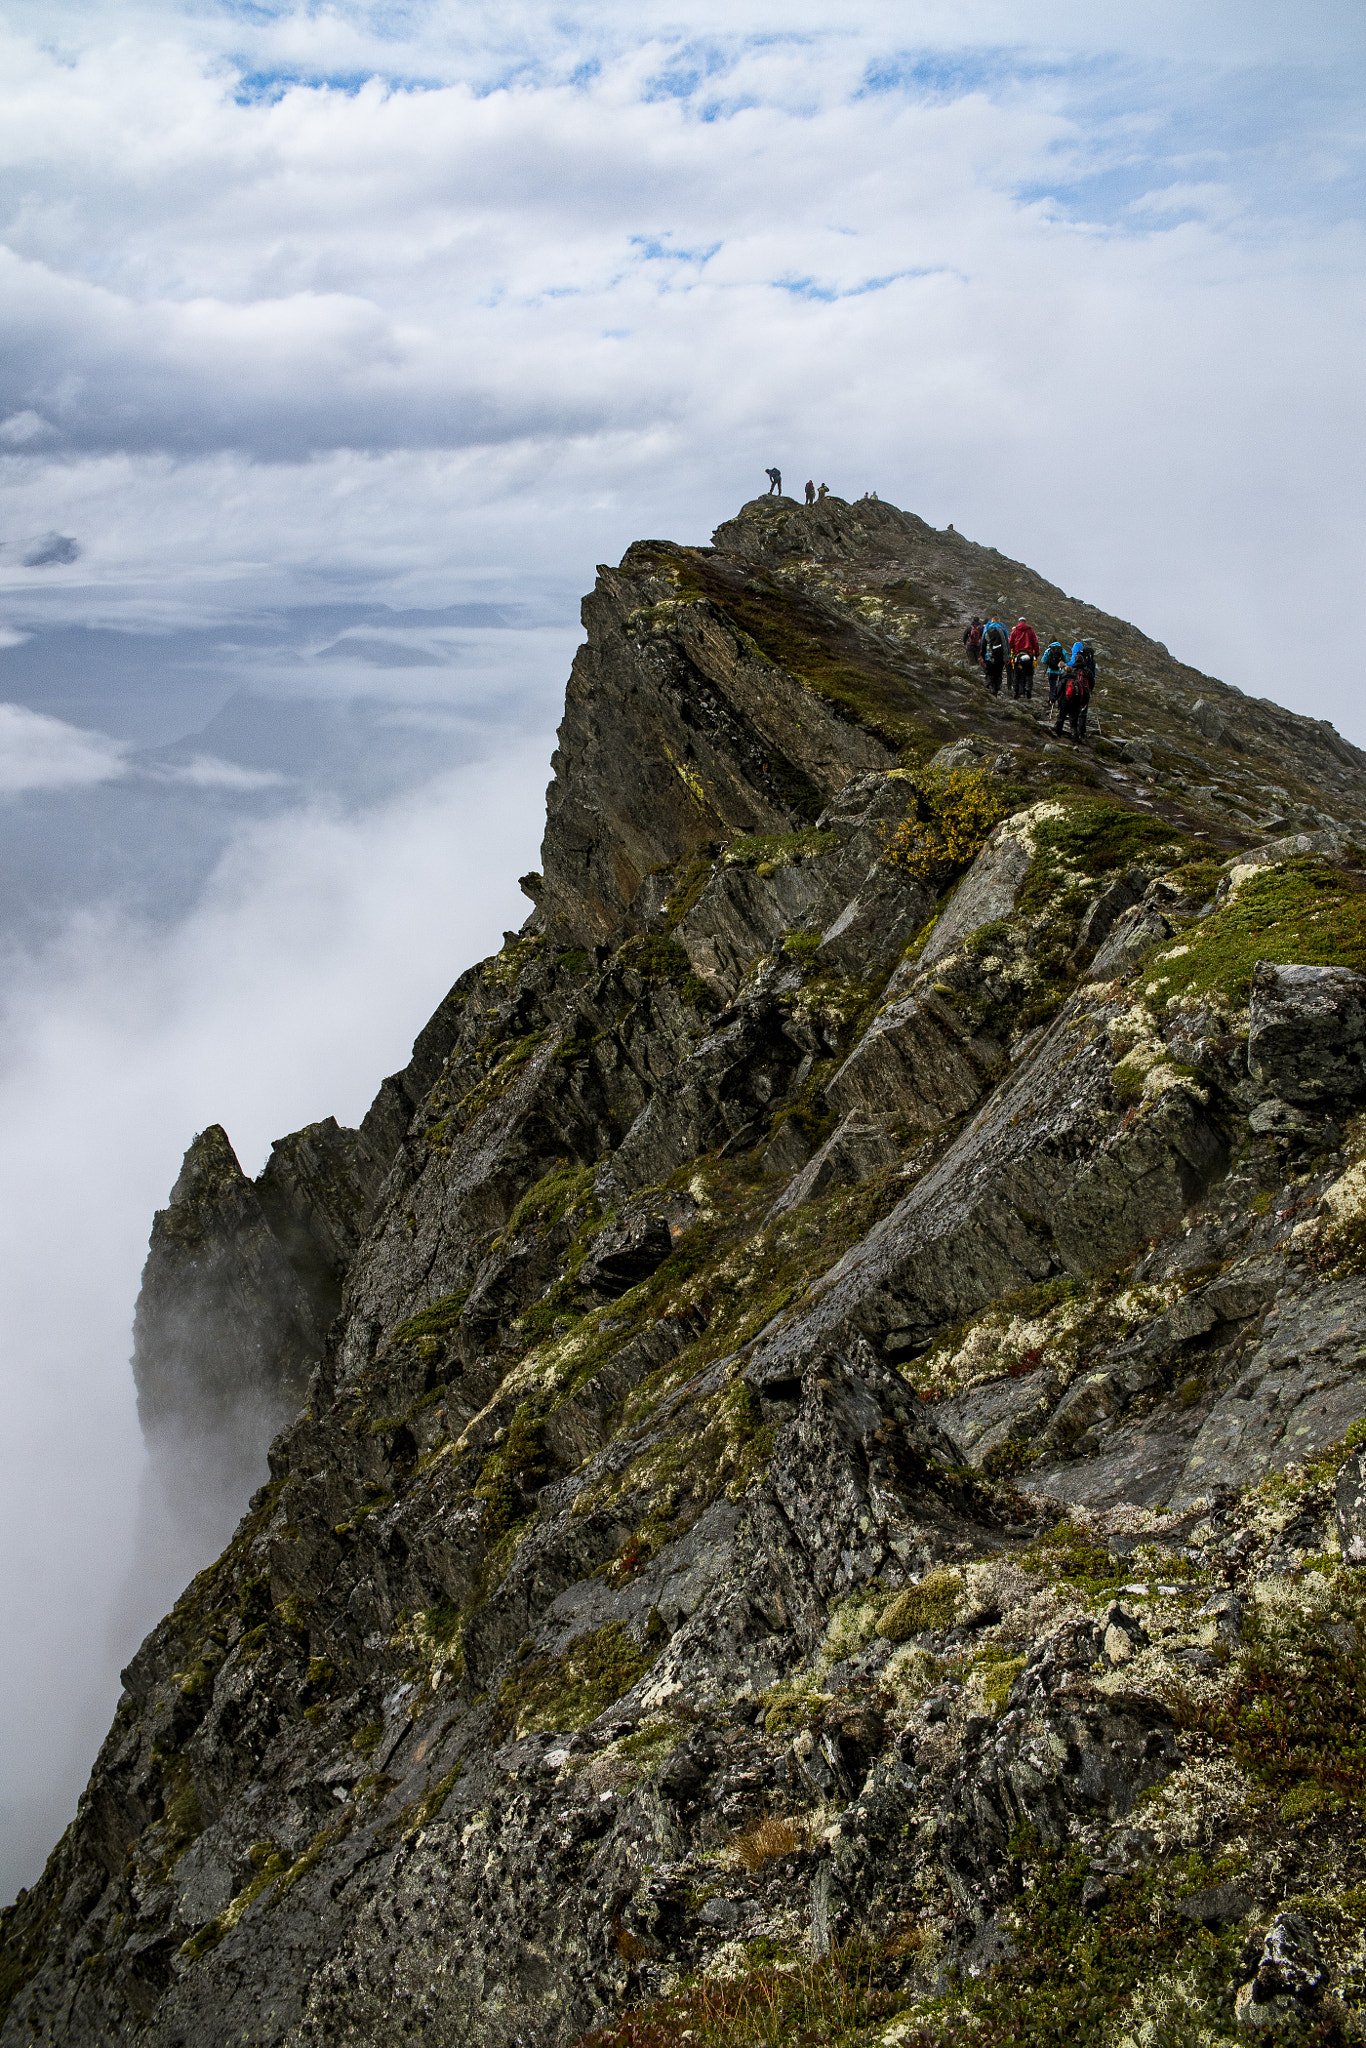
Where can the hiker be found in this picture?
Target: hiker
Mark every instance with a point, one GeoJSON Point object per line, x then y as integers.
{"type": "Point", "coordinates": [775, 482]}
{"type": "Point", "coordinates": [1074, 693]}
{"type": "Point", "coordinates": [1024, 652]}
{"type": "Point", "coordinates": [810, 492]}
{"type": "Point", "coordinates": [823, 492]}
{"type": "Point", "coordinates": [972, 639]}
{"type": "Point", "coordinates": [1053, 659]}
{"type": "Point", "coordinates": [1069, 702]}
{"type": "Point", "coordinates": [995, 647]}
{"type": "Point", "coordinates": [1084, 661]}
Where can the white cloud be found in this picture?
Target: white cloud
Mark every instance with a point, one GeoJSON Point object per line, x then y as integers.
{"type": "Point", "coordinates": [37, 752]}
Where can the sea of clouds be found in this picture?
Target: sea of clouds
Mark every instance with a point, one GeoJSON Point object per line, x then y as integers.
{"type": "Point", "coordinates": [338, 343]}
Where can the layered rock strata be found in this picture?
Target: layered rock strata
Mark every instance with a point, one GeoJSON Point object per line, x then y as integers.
{"type": "Point", "coordinates": [828, 1483]}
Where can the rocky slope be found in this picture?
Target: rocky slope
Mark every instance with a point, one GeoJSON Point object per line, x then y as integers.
{"type": "Point", "coordinates": [825, 1505]}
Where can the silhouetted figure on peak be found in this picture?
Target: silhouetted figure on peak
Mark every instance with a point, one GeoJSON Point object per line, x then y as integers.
{"type": "Point", "coordinates": [823, 492]}
{"type": "Point", "coordinates": [775, 482]}
{"type": "Point", "coordinates": [810, 492]}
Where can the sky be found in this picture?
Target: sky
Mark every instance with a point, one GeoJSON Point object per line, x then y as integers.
{"type": "Point", "coordinates": [338, 343]}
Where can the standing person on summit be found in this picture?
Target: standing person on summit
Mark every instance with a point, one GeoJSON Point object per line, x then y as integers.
{"type": "Point", "coordinates": [995, 647]}
{"type": "Point", "coordinates": [775, 482]}
{"type": "Point", "coordinates": [1024, 652]}
{"type": "Point", "coordinates": [810, 492]}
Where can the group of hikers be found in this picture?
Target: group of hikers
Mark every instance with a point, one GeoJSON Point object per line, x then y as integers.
{"type": "Point", "coordinates": [1071, 677]}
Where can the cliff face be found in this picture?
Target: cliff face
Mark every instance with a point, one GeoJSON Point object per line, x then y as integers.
{"type": "Point", "coordinates": [824, 1498]}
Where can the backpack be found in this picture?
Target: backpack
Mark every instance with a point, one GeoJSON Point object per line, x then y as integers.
{"type": "Point", "coordinates": [996, 640]}
{"type": "Point", "coordinates": [1086, 667]}
{"type": "Point", "coordinates": [974, 638]}
{"type": "Point", "coordinates": [1052, 656]}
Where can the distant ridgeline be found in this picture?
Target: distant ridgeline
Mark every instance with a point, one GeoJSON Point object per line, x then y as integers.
{"type": "Point", "coordinates": [814, 1491]}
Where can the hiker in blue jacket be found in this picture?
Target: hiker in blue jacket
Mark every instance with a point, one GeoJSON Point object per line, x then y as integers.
{"type": "Point", "coordinates": [1053, 659]}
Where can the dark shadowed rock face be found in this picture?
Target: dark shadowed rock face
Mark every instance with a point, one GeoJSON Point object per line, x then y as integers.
{"type": "Point", "coordinates": [818, 1408]}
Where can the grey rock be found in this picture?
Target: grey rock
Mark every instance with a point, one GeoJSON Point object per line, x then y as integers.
{"type": "Point", "coordinates": [741, 914]}
{"type": "Point", "coordinates": [888, 909]}
{"type": "Point", "coordinates": [1062, 1751]}
{"type": "Point", "coordinates": [1132, 937]}
{"type": "Point", "coordinates": [989, 890]}
{"type": "Point", "coordinates": [858, 1146]}
{"type": "Point", "coordinates": [442, 1744]}
{"type": "Point", "coordinates": [918, 1060]}
{"type": "Point", "coordinates": [1121, 895]}
{"type": "Point", "coordinates": [1209, 719]}
{"type": "Point", "coordinates": [1301, 1391]}
{"type": "Point", "coordinates": [1307, 1032]}
{"type": "Point", "coordinates": [1220, 1905]}
{"type": "Point", "coordinates": [1350, 1506]}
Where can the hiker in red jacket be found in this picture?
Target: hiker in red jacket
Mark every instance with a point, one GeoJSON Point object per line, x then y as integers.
{"type": "Point", "coordinates": [1024, 652]}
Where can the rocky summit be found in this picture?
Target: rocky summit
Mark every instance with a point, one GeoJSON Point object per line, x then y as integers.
{"type": "Point", "coordinates": [814, 1493]}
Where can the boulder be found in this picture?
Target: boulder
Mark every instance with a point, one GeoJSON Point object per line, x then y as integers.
{"type": "Point", "coordinates": [1307, 1032]}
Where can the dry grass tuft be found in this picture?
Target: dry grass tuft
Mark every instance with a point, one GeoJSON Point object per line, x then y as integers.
{"type": "Point", "coordinates": [767, 1839]}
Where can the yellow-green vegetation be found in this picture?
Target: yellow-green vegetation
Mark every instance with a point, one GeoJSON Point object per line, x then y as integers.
{"type": "Point", "coordinates": [567, 1691]}
{"type": "Point", "coordinates": [432, 1324]}
{"type": "Point", "coordinates": [511, 961]}
{"type": "Point", "coordinates": [955, 813]}
{"type": "Point", "coordinates": [495, 1083]}
{"type": "Point", "coordinates": [932, 1604]}
{"type": "Point", "coordinates": [1087, 837]}
{"type": "Point", "coordinates": [769, 850]}
{"type": "Point", "coordinates": [181, 1822]}
{"type": "Point", "coordinates": [998, 1672]}
{"type": "Point", "coordinates": [510, 1474]}
{"type": "Point", "coordinates": [717, 1444]}
{"type": "Point", "coordinates": [1071, 1555]}
{"type": "Point", "coordinates": [554, 1195]}
{"type": "Point", "coordinates": [802, 945]}
{"type": "Point", "coordinates": [1300, 910]}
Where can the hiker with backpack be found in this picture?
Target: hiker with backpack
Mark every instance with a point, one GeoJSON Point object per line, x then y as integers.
{"type": "Point", "coordinates": [775, 482]}
{"type": "Point", "coordinates": [1074, 696]}
{"type": "Point", "coordinates": [972, 639]}
{"type": "Point", "coordinates": [1024, 652]}
{"type": "Point", "coordinates": [995, 647]}
{"type": "Point", "coordinates": [1053, 659]}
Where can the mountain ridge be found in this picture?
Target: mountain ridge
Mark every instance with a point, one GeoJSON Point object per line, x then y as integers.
{"type": "Point", "coordinates": [894, 1203]}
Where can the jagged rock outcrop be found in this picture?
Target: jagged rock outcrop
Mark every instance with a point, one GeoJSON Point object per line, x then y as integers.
{"type": "Point", "coordinates": [833, 1384]}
